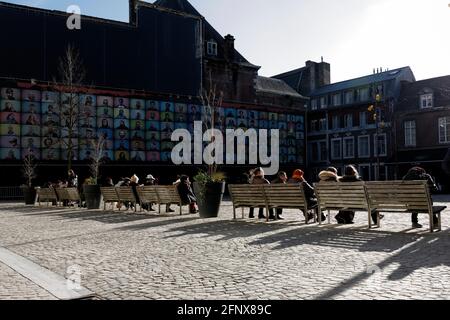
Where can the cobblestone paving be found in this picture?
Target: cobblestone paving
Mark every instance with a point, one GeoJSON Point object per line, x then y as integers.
{"type": "Point", "coordinates": [134, 256]}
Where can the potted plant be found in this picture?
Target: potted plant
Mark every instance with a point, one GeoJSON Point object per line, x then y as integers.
{"type": "Point", "coordinates": [91, 188]}
{"type": "Point", "coordinates": [209, 189]}
{"type": "Point", "coordinates": [29, 168]}
{"type": "Point", "coordinates": [209, 186]}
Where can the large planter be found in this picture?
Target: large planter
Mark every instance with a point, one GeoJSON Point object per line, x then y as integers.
{"type": "Point", "coordinates": [29, 194]}
{"type": "Point", "coordinates": [92, 196]}
{"type": "Point", "coordinates": [209, 199]}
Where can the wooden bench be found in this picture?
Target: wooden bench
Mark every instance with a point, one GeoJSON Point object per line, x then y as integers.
{"type": "Point", "coordinates": [46, 194]}
{"type": "Point", "coordinates": [168, 195]}
{"type": "Point", "coordinates": [339, 196]}
{"type": "Point", "coordinates": [68, 195]}
{"type": "Point", "coordinates": [126, 195]}
{"type": "Point", "coordinates": [287, 196]}
{"type": "Point", "coordinates": [147, 196]}
{"type": "Point", "coordinates": [403, 196]}
{"type": "Point", "coordinates": [248, 196]}
{"type": "Point", "coordinates": [109, 195]}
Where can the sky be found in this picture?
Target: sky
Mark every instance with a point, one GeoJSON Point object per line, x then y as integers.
{"type": "Point", "coordinates": [354, 36]}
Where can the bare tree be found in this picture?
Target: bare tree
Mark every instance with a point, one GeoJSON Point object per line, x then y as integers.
{"type": "Point", "coordinates": [29, 169]}
{"type": "Point", "coordinates": [97, 158]}
{"type": "Point", "coordinates": [71, 77]}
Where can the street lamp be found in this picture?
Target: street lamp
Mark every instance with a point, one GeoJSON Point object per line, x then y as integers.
{"type": "Point", "coordinates": [376, 112]}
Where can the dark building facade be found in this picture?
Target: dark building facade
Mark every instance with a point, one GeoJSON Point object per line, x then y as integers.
{"type": "Point", "coordinates": [143, 80]}
{"type": "Point", "coordinates": [423, 126]}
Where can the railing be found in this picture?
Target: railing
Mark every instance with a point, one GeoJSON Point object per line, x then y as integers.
{"type": "Point", "coordinates": [11, 193]}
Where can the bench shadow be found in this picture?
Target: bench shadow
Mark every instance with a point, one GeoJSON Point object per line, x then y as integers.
{"type": "Point", "coordinates": [427, 252]}
{"type": "Point", "coordinates": [160, 223]}
{"type": "Point", "coordinates": [228, 229]}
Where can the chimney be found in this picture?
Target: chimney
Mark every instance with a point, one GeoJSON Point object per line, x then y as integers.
{"type": "Point", "coordinates": [229, 47]}
{"type": "Point", "coordinates": [133, 11]}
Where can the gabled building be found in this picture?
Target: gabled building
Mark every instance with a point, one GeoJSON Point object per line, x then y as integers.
{"type": "Point", "coordinates": [423, 126]}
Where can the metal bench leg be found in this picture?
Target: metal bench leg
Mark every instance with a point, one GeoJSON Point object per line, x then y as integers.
{"type": "Point", "coordinates": [181, 209]}
{"type": "Point", "coordinates": [370, 219]}
{"type": "Point", "coordinates": [234, 212]}
{"type": "Point", "coordinates": [243, 213]}
{"type": "Point", "coordinates": [439, 222]}
{"type": "Point", "coordinates": [431, 222]}
{"type": "Point", "coordinates": [378, 219]}
{"type": "Point", "coordinates": [329, 216]}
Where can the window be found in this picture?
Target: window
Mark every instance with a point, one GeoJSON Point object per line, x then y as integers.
{"type": "Point", "coordinates": [323, 125]}
{"type": "Point", "coordinates": [336, 123]}
{"type": "Point", "coordinates": [410, 133]}
{"type": "Point", "coordinates": [380, 145]}
{"type": "Point", "coordinates": [444, 130]}
{"type": "Point", "coordinates": [363, 119]}
{"type": "Point", "coordinates": [426, 101]}
{"type": "Point", "coordinates": [318, 151]}
{"type": "Point", "coordinates": [323, 102]}
{"type": "Point", "coordinates": [349, 147]}
{"type": "Point", "coordinates": [313, 104]}
{"type": "Point", "coordinates": [337, 101]}
{"type": "Point", "coordinates": [364, 147]}
{"type": "Point", "coordinates": [314, 152]}
{"type": "Point", "coordinates": [348, 121]}
{"type": "Point", "coordinates": [349, 97]}
{"type": "Point", "coordinates": [336, 149]}
{"type": "Point", "coordinates": [314, 125]}
{"type": "Point", "coordinates": [211, 48]}
{"type": "Point", "coordinates": [363, 94]}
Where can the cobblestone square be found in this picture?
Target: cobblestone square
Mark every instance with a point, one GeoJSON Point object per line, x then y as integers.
{"type": "Point", "coordinates": [146, 256]}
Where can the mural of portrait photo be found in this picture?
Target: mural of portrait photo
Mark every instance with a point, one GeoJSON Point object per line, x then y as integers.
{"type": "Point", "coordinates": [152, 115]}
{"type": "Point", "coordinates": [166, 136]}
{"type": "Point", "coordinates": [137, 145]}
{"type": "Point", "coordinates": [138, 156]}
{"type": "Point", "coordinates": [10, 118]}
{"type": "Point", "coordinates": [105, 123]}
{"type": "Point", "coordinates": [282, 117]}
{"type": "Point", "coordinates": [153, 136]}
{"type": "Point", "coordinates": [106, 134]}
{"type": "Point", "coordinates": [87, 133]}
{"type": "Point", "coordinates": [49, 108]}
{"type": "Point", "coordinates": [152, 105]}
{"type": "Point", "coordinates": [10, 94]}
{"type": "Point", "coordinates": [50, 97]}
{"type": "Point", "coordinates": [138, 125]}
{"type": "Point", "coordinates": [231, 123]}
{"type": "Point", "coordinates": [9, 154]}
{"type": "Point", "coordinates": [230, 113]}
{"type": "Point", "coordinates": [153, 156]}
{"type": "Point", "coordinates": [50, 142]}
{"type": "Point", "coordinates": [167, 107]}
{"type": "Point", "coordinates": [121, 134]}
{"type": "Point", "coordinates": [9, 142]}
{"type": "Point", "coordinates": [104, 101]}
{"type": "Point", "coordinates": [122, 156]}
{"type": "Point", "coordinates": [167, 127]}
{"type": "Point", "coordinates": [10, 106]}
{"type": "Point", "coordinates": [86, 154]}
{"type": "Point", "coordinates": [137, 115]}
{"type": "Point", "coordinates": [10, 130]}
{"type": "Point", "coordinates": [31, 143]}
{"type": "Point", "coordinates": [121, 103]}
{"type": "Point", "coordinates": [180, 125]}
{"type": "Point", "coordinates": [137, 104]}
{"type": "Point", "coordinates": [292, 118]}
{"type": "Point", "coordinates": [242, 123]}
{"type": "Point", "coordinates": [31, 95]}
{"type": "Point", "coordinates": [167, 146]}
{"type": "Point", "coordinates": [300, 126]}
{"type": "Point", "coordinates": [121, 113]}
{"type": "Point", "coordinates": [73, 156]}
{"type": "Point", "coordinates": [166, 156]}
{"type": "Point", "coordinates": [167, 117]}
{"type": "Point", "coordinates": [181, 117]}
{"type": "Point", "coordinates": [31, 107]}
{"type": "Point", "coordinates": [253, 115]}
{"type": "Point", "coordinates": [137, 135]}
{"type": "Point", "coordinates": [153, 125]}
{"type": "Point", "coordinates": [107, 156]}
{"type": "Point", "coordinates": [282, 126]}
{"type": "Point", "coordinates": [263, 116]}
{"type": "Point", "coordinates": [51, 154]}
{"type": "Point", "coordinates": [273, 124]}
{"type": "Point", "coordinates": [153, 146]}
{"type": "Point", "coordinates": [88, 100]}
{"type": "Point", "coordinates": [253, 124]}
{"type": "Point", "coordinates": [31, 131]}
{"type": "Point", "coordinates": [121, 124]}
{"type": "Point", "coordinates": [65, 132]}
{"type": "Point", "coordinates": [121, 145]}
{"type": "Point", "coordinates": [68, 98]}
{"type": "Point", "coordinates": [242, 114]}
{"type": "Point", "coordinates": [87, 122]}
{"type": "Point", "coordinates": [181, 108]}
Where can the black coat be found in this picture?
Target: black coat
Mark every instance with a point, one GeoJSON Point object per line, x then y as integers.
{"type": "Point", "coordinates": [186, 193]}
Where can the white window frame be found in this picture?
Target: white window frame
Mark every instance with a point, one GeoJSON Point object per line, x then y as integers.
{"type": "Point", "coordinates": [314, 104]}
{"type": "Point", "coordinates": [428, 98]}
{"type": "Point", "coordinates": [368, 147]}
{"type": "Point", "coordinates": [350, 95]}
{"type": "Point", "coordinates": [211, 48]}
{"type": "Point", "coordinates": [337, 100]}
{"type": "Point", "coordinates": [333, 155]}
{"type": "Point", "coordinates": [344, 140]}
{"type": "Point", "coordinates": [365, 97]}
{"type": "Point", "coordinates": [323, 102]}
{"type": "Point", "coordinates": [336, 122]}
{"type": "Point", "coordinates": [444, 123]}
{"type": "Point", "coordinates": [375, 138]}
{"type": "Point", "coordinates": [410, 133]}
{"type": "Point", "coordinates": [323, 125]}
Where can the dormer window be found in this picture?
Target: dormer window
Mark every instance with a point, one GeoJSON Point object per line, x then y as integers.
{"type": "Point", "coordinates": [426, 101]}
{"type": "Point", "coordinates": [211, 48]}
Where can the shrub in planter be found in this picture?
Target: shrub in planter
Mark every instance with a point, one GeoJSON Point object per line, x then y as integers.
{"type": "Point", "coordinates": [209, 190]}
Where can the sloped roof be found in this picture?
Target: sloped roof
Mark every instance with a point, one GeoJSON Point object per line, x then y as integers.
{"type": "Point", "coordinates": [185, 7]}
{"type": "Point", "coordinates": [363, 81]}
{"type": "Point", "coordinates": [292, 78]}
{"type": "Point", "coordinates": [411, 92]}
{"type": "Point", "coordinates": [276, 86]}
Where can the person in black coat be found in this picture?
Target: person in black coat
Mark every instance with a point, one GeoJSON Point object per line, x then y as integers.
{"type": "Point", "coordinates": [187, 194]}
{"type": "Point", "coordinates": [418, 173]}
